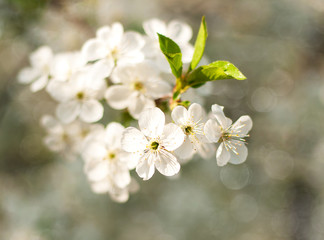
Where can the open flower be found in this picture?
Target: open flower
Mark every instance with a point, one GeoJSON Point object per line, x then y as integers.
{"type": "Point", "coordinates": [231, 136]}
{"type": "Point", "coordinates": [191, 122]}
{"type": "Point", "coordinates": [153, 145]}
{"type": "Point", "coordinates": [140, 86]}
{"type": "Point", "coordinates": [79, 97]}
{"type": "Point", "coordinates": [114, 47]}
{"type": "Point", "coordinates": [39, 72]}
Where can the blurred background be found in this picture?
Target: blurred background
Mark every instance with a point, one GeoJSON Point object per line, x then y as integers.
{"type": "Point", "coordinates": [276, 194]}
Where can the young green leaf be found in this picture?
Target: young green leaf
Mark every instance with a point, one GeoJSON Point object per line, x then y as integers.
{"type": "Point", "coordinates": [172, 53]}
{"type": "Point", "coordinates": [199, 45]}
{"type": "Point", "coordinates": [215, 71]}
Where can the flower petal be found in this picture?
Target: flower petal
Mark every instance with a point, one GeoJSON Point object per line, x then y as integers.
{"type": "Point", "coordinates": [212, 130]}
{"type": "Point", "coordinates": [186, 150]}
{"type": "Point", "coordinates": [241, 151]}
{"type": "Point", "coordinates": [68, 111]}
{"type": "Point", "coordinates": [114, 132]}
{"type": "Point", "coordinates": [39, 83]}
{"type": "Point", "coordinates": [172, 137]}
{"type": "Point", "coordinates": [223, 155]}
{"type": "Point", "coordinates": [206, 150]}
{"type": "Point", "coordinates": [180, 32]}
{"type": "Point", "coordinates": [138, 103]}
{"type": "Point", "coordinates": [220, 117]}
{"type": "Point", "coordinates": [27, 75]}
{"type": "Point", "coordinates": [118, 96]}
{"type": "Point", "coordinates": [96, 170]}
{"type": "Point", "coordinates": [145, 168]}
{"type": "Point", "coordinates": [119, 195]}
{"type": "Point", "coordinates": [243, 125]}
{"type": "Point", "coordinates": [60, 91]}
{"type": "Point", "coordinates": [157, 88]}
{"type": "Point", "coordinates": [94, 49]}
{"type": "Point", "coordinates": [133, 140]}
{"type": "Point", "coordinates": [121, 177]}
{"type": "Point", "coordinates": [151, 122]}
{"type": "Point", "coordinates": [91, 111]}
{"type": "Point", "coordinates": [101, 186]}
{"type": "Point", "coordinates": [179, 115]}
{"type": "Point", "coordinates": [196, 113]}
{"type": "Point", "coordinates": [154, 26]}
{"type": "Point", "coordinates": [167, 163]}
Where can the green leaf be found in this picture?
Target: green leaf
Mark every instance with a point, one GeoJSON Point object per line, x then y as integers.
{"type": "Point", "coordinates": [176, 95]}
{"type": "Point", "coordinates": [199, 45]}
{"type": "Point", "coordinates": [215, 71]}
{"type": "Point", "coordinates": [172, 53]}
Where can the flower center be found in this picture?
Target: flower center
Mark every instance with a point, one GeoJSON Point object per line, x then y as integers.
{"type": "Point", "coordinates": [154, 145]}
{"type": "Point", "coordinates": [138, 86]}
{"type": "Point", "coordinates": [188, 130]}
{"type": "Point", "coordinates": [80, 95]}
{"type": "Point", "coordinates": [111, 156]}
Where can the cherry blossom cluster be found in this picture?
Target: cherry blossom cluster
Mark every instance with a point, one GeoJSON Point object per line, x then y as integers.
{"type": "Point", "coordinates": [143, 75]}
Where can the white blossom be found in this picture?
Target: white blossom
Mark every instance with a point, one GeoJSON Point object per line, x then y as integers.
{"type": "Point", "coordinates": [153, 144]}
{"type": "Point", "coordinates": [192, 122]}
{"type": "Point", "coordinates": [66, 139]}
{"type": "Point", "coordinates": [140, 86]}
{"type": "Point", "coordinates": [105, 158]}
{"type": "Point", "coordinates": [112, 46]}
{"type": "Point", "coordinates": [38, 73]}
{"type": "Point", "coordinates": [79, 96]}
{"type": "Point", "coordinates": [231, 136]}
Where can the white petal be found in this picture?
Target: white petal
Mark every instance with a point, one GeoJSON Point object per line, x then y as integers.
{"type": "Point", "coordinates": [157, 88]}
{"type": "Point", "coordinates": [60, 91]}
{"type": "Point", "coordinates": [172, 137]}
{"type": "Point", "coordinates": [179, 115]}
{"type": "Point", "coordinates": [115, 36]}
{"type": "Point", "coordinates": [27, 75]}
{"type": "Point", "coordinates": [186, 150]}
{"type": "Point", "coordinates": [103, 33]}
{"type": "Point", "coordinates": [241, 155]}
{"type": "Point", "coordinates": [133, 140]}
{"type": "Point", "coordinates": [138, 103]}
{"type": "Point", "coordinates": [187, 51]}
{"type": "Point", "coordinates": [94, 150]}
{"type": "Point", "coordinates": [101, 69]}
{"type": "Point", "coordinates": [212, 130]}
{"type": "Point", "coordinates": [220, 117]}
{"type": "Point", "coordinates": [145, 168]}
{"type": "Point", "coordinates": [91, 111]}
{"type": "Point", "coordinates": [196, 112]}
{"type": "Point", "coordinates": [154, 26]}
{"type": "Point", "coordinates": [102, 186]}
{"type": "Point", "coordinates": [120, 195]}
{"type": "Point", "coordinates": [94, 49]}
{"type": "Point", "coordinates": [41, 57]}
{"type": "Point", "coordinates": [131, 41]}
{"type": "Point", "coordinates": [243, 125]}
{"type": "Point", "coordinates": [118, 97]}
{"type": "Point", "coordinates": [55, 143]}
{"type": "Point", "coordinates": [121, 177]}
{"type": "Point", "coordinates": [113, 135]}
{"type": "Point", "coordinates": [51, 124]}
{"type": "Point", "coordinates": [179, 32]}
{"type": "Point", "coordinates": [39, 83]}
{"type": "Point", "coordinates": [68, 111]}
{"type": "Point", "coordinates": [151, 122]}
{"type": "Point", "coordinates": [206, 150]}
{"type": "Point", "coordinates": [167, 163]}
{"type": "Point", "coordinates": [222, 155]}
{"type": "Point", "coordinates": [96, 170]}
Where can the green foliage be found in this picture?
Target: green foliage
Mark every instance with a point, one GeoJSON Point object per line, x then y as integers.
{"type": "Point", "coordinates": [199, 45]}
{"type": "Point", "coordinates": [173, 54]}
{"type": "Point", "coordinates": [218, 70]}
